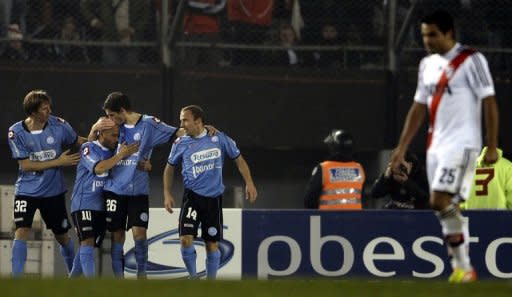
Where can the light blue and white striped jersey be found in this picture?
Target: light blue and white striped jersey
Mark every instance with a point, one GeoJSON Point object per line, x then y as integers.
{"type": "Point", "coordinates": [202, 159]}
{"type": "Point", "coordinates": [40, 146]}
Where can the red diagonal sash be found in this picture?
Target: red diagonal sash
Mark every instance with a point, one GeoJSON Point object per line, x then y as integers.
{"type": "Point", "coordinates": [448, 73]}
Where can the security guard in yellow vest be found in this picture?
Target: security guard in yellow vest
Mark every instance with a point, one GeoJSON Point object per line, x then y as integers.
{"type": "Point", "coordinates": [337, 183]}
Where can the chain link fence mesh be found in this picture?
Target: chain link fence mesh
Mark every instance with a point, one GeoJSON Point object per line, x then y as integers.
{"type": "Point", "coordinates": [304, 34]}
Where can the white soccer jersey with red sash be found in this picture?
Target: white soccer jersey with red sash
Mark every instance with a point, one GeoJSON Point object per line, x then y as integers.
{"type": "Point", "coordinates": [453, 86]}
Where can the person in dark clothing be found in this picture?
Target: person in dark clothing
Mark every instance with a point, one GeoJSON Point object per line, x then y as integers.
{"type": "Point", "coordinates": [407, 189]}
{"type": "Point", "coordinates": [336, 183]}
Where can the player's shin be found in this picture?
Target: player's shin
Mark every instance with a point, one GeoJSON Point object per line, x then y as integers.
{"type": "Point", "coordinates": [87, 260]}
{"type": "Point", "coordinates": [76, 271]}
{"type": "Point", "coordinates": [189, 256]}
{"type": "Point", "coordinates": [68, 253]}
{"type": "Point", "coordinates": [19, 256]}
{"type": "Point", "coordinates": [117, 259]}
{"type": "Point", "coordinates": [212, 264]}
{"type": "Point", "coordinates": [456, 233]}
{"type": "Point", "coordinates": [141, 256]}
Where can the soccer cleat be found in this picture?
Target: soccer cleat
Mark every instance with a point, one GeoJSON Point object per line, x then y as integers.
{"type": "Point", "coordinates": [462, 276]}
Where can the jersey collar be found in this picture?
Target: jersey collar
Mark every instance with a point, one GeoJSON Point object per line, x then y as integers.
{"type": "Point", "coordinates": [96, 142]}
{"type": "Point", "coordinates": [202, 134]}
{"type": "Point", "coordinates": [454, 51]}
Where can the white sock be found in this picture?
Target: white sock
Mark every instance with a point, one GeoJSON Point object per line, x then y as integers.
{"type": "Point", "coordinates": [456, 233]}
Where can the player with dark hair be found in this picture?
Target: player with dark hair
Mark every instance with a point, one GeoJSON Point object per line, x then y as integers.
{"type": "Point", "coordinates": [454, 83]}
{"type": "Point", "coordinates": [201, 157]}
{"type": "Point", "coordinates": [337, 182]}
{"type": "Point", "coordinates": [126, 191]}
{"type": "Point", "coordinates": [39, 144]}
{"type": "Point", "coordinates": [87, 204]}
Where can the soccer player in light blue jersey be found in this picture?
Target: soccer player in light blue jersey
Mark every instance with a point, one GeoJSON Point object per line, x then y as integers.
{"type": "Point", "coordinates": [38, 143]}
{"type": "Point", "coordinates": [201, 157]}
{"type": "Point", "coordinates": [126, 191]}
{"type": "Point", "coordinates": [87, 204]}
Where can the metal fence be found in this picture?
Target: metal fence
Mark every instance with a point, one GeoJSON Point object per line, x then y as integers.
{"type": "Point", "coordinates": [311, 34]}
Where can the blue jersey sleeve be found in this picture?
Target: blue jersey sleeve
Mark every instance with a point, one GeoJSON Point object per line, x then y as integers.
{"type": "Point", "coordinates": [176, 154]}
{"type": "Point", "coordinates": [18, 149]}
{"type": "Point", "coordinates": [90, 157]}
{"type": "Point", "coordinates": [229, 146]}
{"type": "Point", "coordinates": [160, 131]}
{"type": "Point", "coordinates": [69, 135]}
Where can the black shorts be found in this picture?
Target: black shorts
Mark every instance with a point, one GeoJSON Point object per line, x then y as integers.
{"type": "Point", "coordinates": [89, 224]}
{"type": "Point", "coordinates": [52, 209]}
{"type": "Point", "coordinates": [124, 212]}
{"type": "Point", "coordinates": [207, 211]}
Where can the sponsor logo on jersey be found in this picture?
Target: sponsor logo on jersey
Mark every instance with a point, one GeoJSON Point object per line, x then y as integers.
{"type": "Point", "coordinates": [205, 155]}
{"type": "Point", "coordinates": [341, 174]}
{"type": "Point", "coordinates": [98, 184]}
{"type": "Point", "coordinates": [196, 170]}
{"type": "Point", "coordinates": [43, 155]}
{"type": "Point", "coordinates": [167, 266]}
{"type": "Point", "coordinates": [10, 134]}
{"type": "Point", "coordinates": [127, 162]}
{"type": "Point", "coordinates": [50, 140]}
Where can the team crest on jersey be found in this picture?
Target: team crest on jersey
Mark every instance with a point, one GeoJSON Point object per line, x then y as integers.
{"type": "Point", "coordinates": [10, 134]}
{"type": "Point", "coordinates": [86, 151]}
{"type": "Point", "coordinates": [157, 120]}
{"type": "Point", "coordinates": [215, 138]}
{"type": "Point", "coordinates": [136, 136]}
{"type": "Point", "coordinates": [50, 140]}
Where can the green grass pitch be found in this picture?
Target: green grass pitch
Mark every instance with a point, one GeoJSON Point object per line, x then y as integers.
{"type": "Point", "coordinates": [247, 288]}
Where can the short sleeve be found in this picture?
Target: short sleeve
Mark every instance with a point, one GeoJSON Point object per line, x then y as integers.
{"type": "Point", "coordinates": [479, 76]}
{"type": "Point", "coordinates": [421, 94]}
{"type": "Point", "coordinates": [176, 155]}
{"type": "Point", "coordinates": [69, 135]}
{"type": "Point", "coordinates": [229, 146]}
{"type": "Point", "coordinates": [160, 131]}
{"type": "Point", "coordinates": [89, 157]}
{"type": "Point", "coordinates": [17, 146]}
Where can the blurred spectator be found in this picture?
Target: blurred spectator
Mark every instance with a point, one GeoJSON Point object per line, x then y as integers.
{"type": "Point", "coordinates": [328, 59]}
{"type": "Point", "coordinates": [68, 52]}
{"type": "Point", "coordinates": [5, 17]}
{"type": "Point", "coordinates": [15, 50]}
{"type": "Point", "coordinates": [41, 25]}
{"type": "Point", "coordinates": [286, 56]}
{"type": "Point", "coordinates": [492, 187]}
{"type": "Point", "coordinates": [336, 183]}
{"type": "Point", "coordinates": [498, 18]}
{"type": "Point", "coordinates": [12, 11]}
{"type": "Point", "coordinates": [407, 189]}
{"type": "Point", "coordinates": [199, 26]}
{"type": "Point", "coordinates": [250, 20]}
{"type": "Point", "coordinates": [117, 20]}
